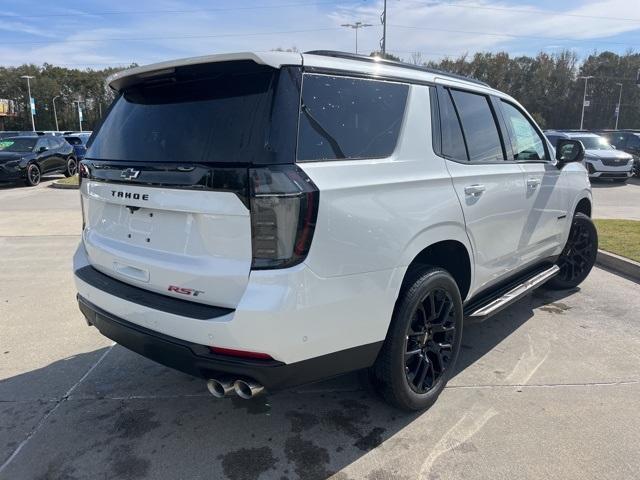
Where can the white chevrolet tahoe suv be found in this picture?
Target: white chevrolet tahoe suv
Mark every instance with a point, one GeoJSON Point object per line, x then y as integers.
{"type": "Point", "coordinates": [262, 220]}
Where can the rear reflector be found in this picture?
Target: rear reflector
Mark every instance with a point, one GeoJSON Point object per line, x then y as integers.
{"type": "Point", "coordinates": [284, 209]}
{"type": "Point", "coordinates": [240, 353]}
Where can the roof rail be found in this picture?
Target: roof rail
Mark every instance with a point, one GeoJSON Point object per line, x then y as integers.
{"type": "Point", "coordinates": [365, 58]}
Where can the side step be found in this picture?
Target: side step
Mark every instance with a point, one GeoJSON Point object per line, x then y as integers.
{"type": "Point", "coordinates": [514, 294]}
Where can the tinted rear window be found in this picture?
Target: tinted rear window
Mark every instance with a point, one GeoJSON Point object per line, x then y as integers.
{"type": "Point", "coordinates": [452, 140]}
{"type": "Point", "coordinates": [349, 118]}
{"type": "Point", "coordinates": [479, 126]}
{"type": "Point", "coordinates": [213, 113]}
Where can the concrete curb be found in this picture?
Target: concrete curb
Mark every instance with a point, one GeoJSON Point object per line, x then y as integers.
{"type": "Point", "coordinates": [64, 186]}
{"type": "Point", "coordinates": [618, 264]}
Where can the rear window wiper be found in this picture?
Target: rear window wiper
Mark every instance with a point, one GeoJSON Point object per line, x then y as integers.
{"type": "Point", "coordinates": [320, 130]}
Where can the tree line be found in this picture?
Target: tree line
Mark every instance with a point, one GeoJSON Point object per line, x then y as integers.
{"type": "Point", "coordinates": [66, 85]}
{"type": "Point", "coordinates": [548, 85]}
{"type": "Point", "coordinates": [551, 88]}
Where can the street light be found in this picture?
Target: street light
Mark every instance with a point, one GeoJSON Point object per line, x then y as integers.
{"type": "Point", "coordinates": [383, 20]}
{"type": "Point", "coordinates": [584, 99]}
{"type": "Point", "coordinates": [55, 115]}
{"type": "Point", "coordinates": [79, 113]}
{"type": "Point", "coordinates": [33, 123]}
{"type": "Point", "coordinates": [618, 109]}
{"type": "Point", "coordinates": [356, 26]}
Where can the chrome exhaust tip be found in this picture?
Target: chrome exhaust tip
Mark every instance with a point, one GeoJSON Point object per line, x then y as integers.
{"type": "Point", "coordinates": [220, 387]}
{"type": "Point", "coordinates": [247, 388]}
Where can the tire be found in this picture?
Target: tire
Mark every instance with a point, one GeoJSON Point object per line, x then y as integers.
{"type": "Point", "coordinates": [72, 167]}
{"type": "Point", "coordinates": [415, 362]}
{"type": "Point", "coordinates": [578, 256]}
{"type": "Point", "coordinates": [34, 175]}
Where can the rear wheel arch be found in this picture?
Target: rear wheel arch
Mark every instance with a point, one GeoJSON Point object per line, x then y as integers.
{"type": "Point", "coordinates": [450, 255]}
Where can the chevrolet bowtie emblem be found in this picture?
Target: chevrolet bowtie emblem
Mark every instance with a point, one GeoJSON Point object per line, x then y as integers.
{"type": "Point", "coordinates": [129, 174]}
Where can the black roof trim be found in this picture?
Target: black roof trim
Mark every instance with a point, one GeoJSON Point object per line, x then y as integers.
{"type": "Point", "coordinates": [393, 63]}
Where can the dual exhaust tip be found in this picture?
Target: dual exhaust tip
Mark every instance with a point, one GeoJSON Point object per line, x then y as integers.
{"type": "Point", "coordinates": [225, 386]}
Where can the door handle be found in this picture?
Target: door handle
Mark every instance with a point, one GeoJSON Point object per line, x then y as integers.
{"type": "Point", "coordinates": [474, 190]}
{"type": "Point", "coordinates": [533, 183]}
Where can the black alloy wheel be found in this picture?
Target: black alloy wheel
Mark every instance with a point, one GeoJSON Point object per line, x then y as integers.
{"type": "Point", "coordinates": [423, 341]}
{"type": "Point", "coordinates": [429, 340]}
{"type": "Point", "coordinates": [33, 175]}
{"type": "Point", "coordinates": [72, 167]}
{"type": "Point", "coordinates": [579, 254]}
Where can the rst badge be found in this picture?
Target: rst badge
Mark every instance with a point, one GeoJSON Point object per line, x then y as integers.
{"type": "Point", "coordinates": [184, 291]}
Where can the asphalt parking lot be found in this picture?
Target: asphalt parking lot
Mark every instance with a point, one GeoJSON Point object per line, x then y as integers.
{"type": "Point", "coordinates": [548, 389]}
{"type": "Point", "coordinates": [616, 200]}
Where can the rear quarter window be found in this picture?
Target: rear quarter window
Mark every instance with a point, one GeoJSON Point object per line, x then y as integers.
{"type": "Point", "coordinates": [349, 118]}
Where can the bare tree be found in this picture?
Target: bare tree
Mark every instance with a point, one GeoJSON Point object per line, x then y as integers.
{"type": "Point", "coordinates": [416, 58]}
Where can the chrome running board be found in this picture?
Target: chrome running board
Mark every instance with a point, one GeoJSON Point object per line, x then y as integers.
{"type": "Point", "coordinates": [514, 294]}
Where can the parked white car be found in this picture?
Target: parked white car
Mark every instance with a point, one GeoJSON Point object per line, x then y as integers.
{"type": "Point", "coordinates": [601, 159]}
{"type": "Point", "coordinates": [263, 220]}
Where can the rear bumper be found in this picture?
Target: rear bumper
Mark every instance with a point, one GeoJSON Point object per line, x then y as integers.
{"type": "Point", "coordinates": [312, 327]}
{"type": "Point", "coordinates": [196, 360]}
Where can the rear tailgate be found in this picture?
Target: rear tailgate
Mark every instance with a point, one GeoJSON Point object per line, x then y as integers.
{"type": "Point", "coordinates": [190, 244]}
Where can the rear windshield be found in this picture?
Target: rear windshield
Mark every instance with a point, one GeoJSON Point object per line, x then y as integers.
{"type": "Point", "coordinates": [73, 140]}
{"type": "Point", "coordinates": [213, 113]}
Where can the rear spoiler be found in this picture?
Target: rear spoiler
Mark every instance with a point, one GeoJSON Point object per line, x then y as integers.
{"type": "Point", "coordinates": [125, 78]}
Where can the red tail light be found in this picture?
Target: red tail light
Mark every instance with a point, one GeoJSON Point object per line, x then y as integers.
{"type": "Point", "coordinates": [83, 171]}
{"type": "Point", "coordinates": [284, 209]}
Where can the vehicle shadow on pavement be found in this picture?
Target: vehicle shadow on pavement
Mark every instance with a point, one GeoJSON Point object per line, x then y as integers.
{"type": "Point", "coordinates": [132, 418]}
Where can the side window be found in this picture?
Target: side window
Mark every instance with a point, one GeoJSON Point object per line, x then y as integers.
{"type": "Point", "coordinates": [349, 118]}
{"type": "Point", "coordinates": [526, 142]}
{"type": "Point", "coordinates": [479, 126]}
{"type": "Point", "coordinates": [42, 142]}
{"type": "Point", "coordinates": [633, 141]}
{"type": "Point", "coordinates": [453, 145]}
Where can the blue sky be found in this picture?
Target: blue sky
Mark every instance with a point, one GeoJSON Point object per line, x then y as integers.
{"type": "Point", "coordinates": [96, 33]}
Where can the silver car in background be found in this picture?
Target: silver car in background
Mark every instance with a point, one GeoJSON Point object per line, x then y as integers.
{"type": "Point", "coordinates": [601, 159]}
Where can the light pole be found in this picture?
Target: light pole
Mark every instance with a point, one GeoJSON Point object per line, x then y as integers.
{"type": "Point", "coordinates": [383, 20]}
{"type": "Point", "coordinates": [618, 109]}
{"type": "Point", "coordinates": [584, 99]}
{"type": "Point", "coordinates": [356, 26]}
{"type": "Point", "coordinates": [33, 123]}
{"type": "Point", "coordinates": [55, 114]}
{"type": "Point", "coordinates": [79, 113]}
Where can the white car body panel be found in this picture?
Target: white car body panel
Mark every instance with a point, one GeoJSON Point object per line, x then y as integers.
{"type": "Point", "coordinates": [177, 237]}
{"type": "Point", "coordinates": [499, 208]}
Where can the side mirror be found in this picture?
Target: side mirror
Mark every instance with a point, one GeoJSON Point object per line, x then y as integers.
{"type": "Point", "coordinates": [42, 149]}
{"type": "Point", "coordinates": [568, 151]}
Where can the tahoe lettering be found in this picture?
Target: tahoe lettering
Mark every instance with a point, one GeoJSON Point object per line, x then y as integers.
{"type": "Point", "coordinates": [132, 195]}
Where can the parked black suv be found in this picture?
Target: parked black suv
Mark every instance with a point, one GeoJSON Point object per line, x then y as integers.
{"type": "Point", "coordinates": [29, 157]}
